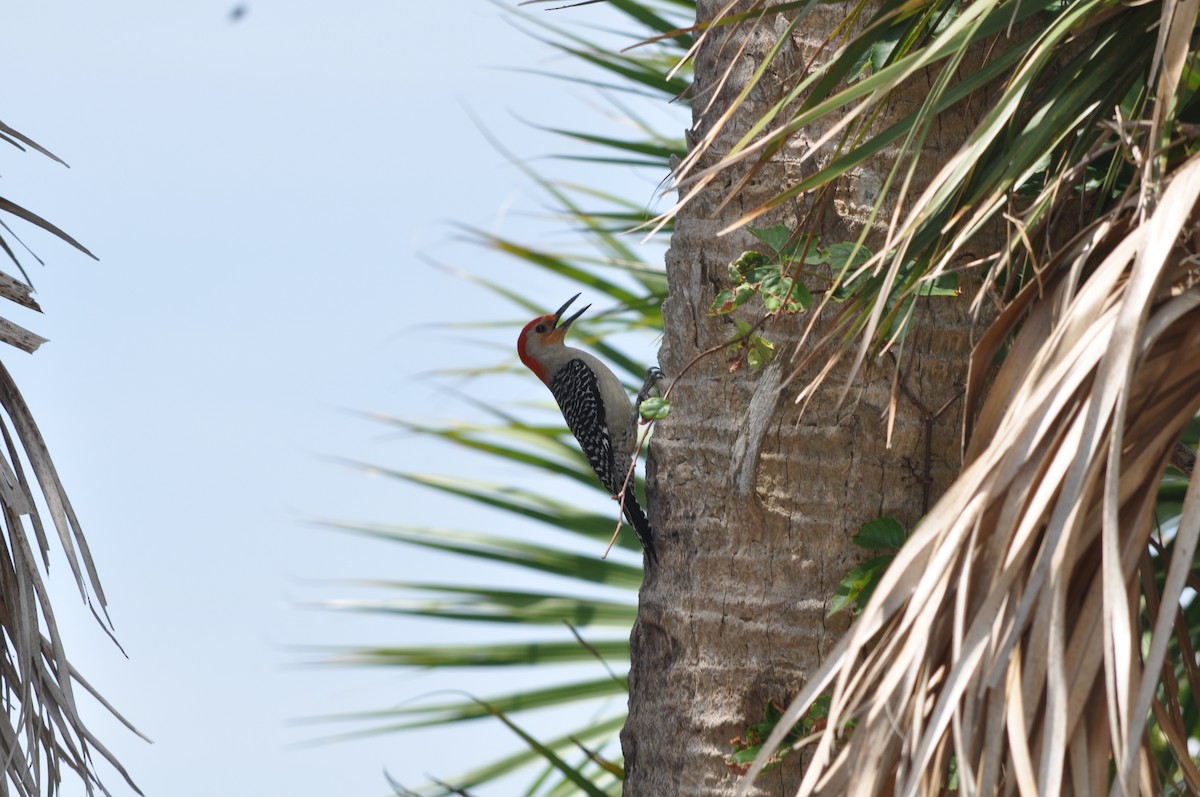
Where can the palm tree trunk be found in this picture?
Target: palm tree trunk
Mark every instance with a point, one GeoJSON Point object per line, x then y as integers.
{"type": "Point", "coordinates": [754, 503]}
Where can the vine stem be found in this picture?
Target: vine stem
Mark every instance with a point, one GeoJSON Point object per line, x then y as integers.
{"type": "Point", "coordinates": [648, 424]}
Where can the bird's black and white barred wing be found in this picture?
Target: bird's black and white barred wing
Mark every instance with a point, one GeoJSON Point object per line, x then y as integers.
{"type": "Point", "coordinates": [577, 392]}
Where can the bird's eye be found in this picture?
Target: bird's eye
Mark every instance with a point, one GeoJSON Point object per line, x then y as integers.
{"type": "Point", "coordinates": [540, 328]}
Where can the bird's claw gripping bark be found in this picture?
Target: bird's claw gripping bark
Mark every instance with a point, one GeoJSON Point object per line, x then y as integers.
{"type": "Point", "coordinates": [654, 375]}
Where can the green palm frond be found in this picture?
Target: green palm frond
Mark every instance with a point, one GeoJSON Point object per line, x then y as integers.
{"type": "Point", "coordinates": [584, 624]}
{"type": "Point", "coordinates": [645, 71]}
{"type": "Point", "coordinates": [475, 604]}
{"type": "Point", "coordinates": [410, 717]}
{"type": "Point", "coordinates": [505, 655]}
{"type": "Point", "coordinates": [499, 549]}
{"type": "Point", "coordinates": [1068, 90]}
{"type": "Point", "coordinates": [596, 732]}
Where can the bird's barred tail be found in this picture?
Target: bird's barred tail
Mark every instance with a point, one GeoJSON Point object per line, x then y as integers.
{"type": "Point", "coordinates": [640, 523]}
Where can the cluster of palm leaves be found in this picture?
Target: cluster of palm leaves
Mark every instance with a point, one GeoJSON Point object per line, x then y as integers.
{"type": "Point", "coordinates": [586, 622]}
{"type": "Point", "coordinates": [42, 734]}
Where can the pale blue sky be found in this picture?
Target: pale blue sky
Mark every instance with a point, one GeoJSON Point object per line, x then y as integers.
{"type": "Point", "coordinates": [260, 195]}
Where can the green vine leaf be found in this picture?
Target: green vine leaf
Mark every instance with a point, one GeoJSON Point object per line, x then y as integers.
{"type": "Point", "coordinates": [776, 237]}
{"type": "Point", "coordinates": [881, 534]}
{"type": "Point", "coordinates": [747, 746]}
{"type": "Point", "coordinates": [760, 352]}
{"type": "Point", "coordinates": [772, 278]}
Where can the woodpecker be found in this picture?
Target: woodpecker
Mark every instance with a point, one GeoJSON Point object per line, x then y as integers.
{"type": "Point", "coordinates": [593, 403]}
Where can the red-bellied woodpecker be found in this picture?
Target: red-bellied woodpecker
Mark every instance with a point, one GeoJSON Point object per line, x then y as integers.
{"type": "Point", "coordinates": [594, 404]}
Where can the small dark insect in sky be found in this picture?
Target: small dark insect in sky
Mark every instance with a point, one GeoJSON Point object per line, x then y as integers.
{"type": "Point", "coordinates": [237, 12]}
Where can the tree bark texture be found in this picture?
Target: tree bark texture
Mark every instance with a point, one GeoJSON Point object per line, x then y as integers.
{"type": "Point", "coordinates": [754, 503]}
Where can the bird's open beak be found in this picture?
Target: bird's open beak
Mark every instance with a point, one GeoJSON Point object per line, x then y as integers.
{"type": "Point", "coordinates": [565, 324]}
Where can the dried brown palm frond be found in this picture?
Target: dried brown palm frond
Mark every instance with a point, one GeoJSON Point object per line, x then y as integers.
{"type": "Point", "coordinates": [42, 734]}
{"type": "Point", "coordinates": [1007, 639]}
